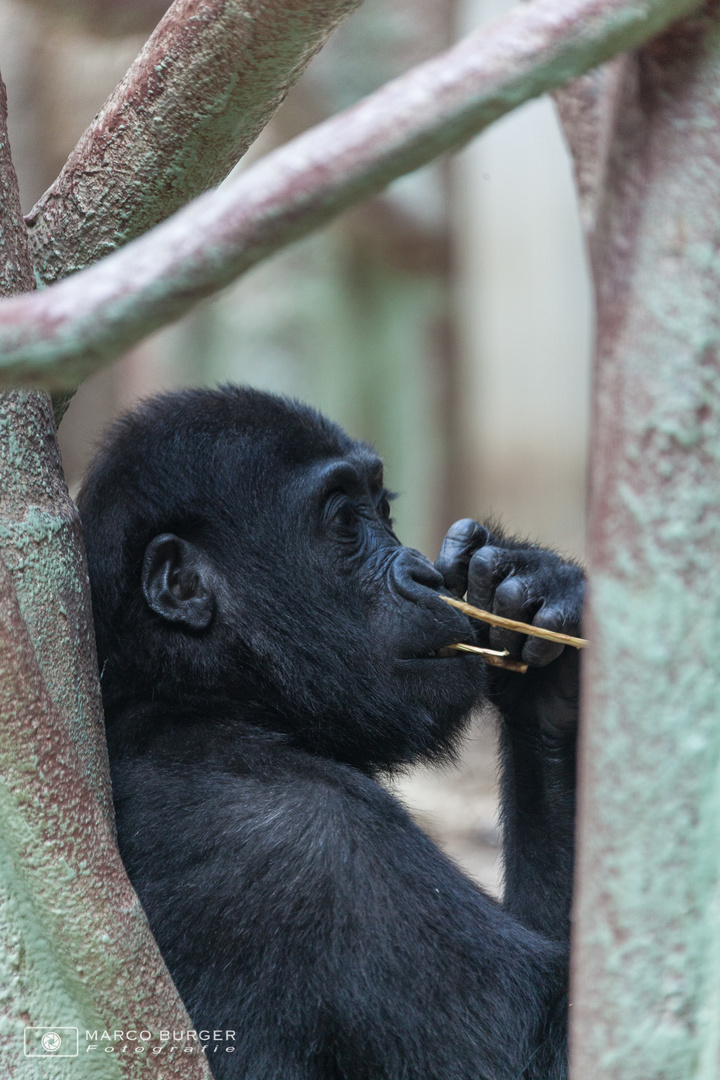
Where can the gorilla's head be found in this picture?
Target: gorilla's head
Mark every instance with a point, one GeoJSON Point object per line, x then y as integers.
{"type": "Point", "coordinates": [242, 554]}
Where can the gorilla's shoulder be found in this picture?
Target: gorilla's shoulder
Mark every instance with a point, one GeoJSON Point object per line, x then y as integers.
{"type": "Point", "coordinates": [258, 789]}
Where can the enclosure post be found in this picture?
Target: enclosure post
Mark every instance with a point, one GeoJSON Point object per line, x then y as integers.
{"type": "Point", "coordinates": [646, 974]}
{"type": "Point", "coordinates": [75, 947]}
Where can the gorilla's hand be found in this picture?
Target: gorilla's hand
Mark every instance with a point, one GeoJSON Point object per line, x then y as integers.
{"type": "Point", "coordinates": [519, 581]}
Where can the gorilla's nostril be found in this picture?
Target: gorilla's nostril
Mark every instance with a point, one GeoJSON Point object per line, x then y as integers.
{"type": "Point", "coordinates": [412, 574]}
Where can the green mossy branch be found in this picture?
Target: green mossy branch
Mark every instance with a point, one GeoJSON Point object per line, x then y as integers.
{"type": "Point", "coordinates": [75, 947]}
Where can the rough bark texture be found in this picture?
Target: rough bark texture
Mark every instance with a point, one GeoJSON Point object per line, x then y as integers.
{"type": "Point", "coordinates": [75, 947]}
{"type": "Point", "coordinates": [58, 336]}
{"type": "Point", "coordinates": [646, 996]}
{"type": "Point", "coordinates": [206, 83]}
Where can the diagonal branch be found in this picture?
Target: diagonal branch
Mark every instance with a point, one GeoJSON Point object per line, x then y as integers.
{"type": "Point", "coordinates": [60, 335]}
{"type": "Point", "coordinates": [205, 84]}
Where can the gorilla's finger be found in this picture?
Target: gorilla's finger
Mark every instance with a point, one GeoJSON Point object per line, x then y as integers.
{"type": "Point", "coordinates": [512, 601]}
{"type": "Point", "coordinates": [485, 572]}
{"type": "Point", "coordinates": [537, 652]}
{"type": "Point", "coordinates": [461, 541]}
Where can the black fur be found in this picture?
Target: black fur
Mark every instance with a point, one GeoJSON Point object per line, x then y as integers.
{"type": "Point", "coordinates": [267, 648]}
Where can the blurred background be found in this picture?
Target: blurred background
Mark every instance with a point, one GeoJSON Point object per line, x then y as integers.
{"type": "Point", "coordinates": [448, 322]}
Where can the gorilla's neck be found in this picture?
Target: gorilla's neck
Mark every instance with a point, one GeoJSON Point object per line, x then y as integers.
{"type": "Point", "coordinates": [189, 728]}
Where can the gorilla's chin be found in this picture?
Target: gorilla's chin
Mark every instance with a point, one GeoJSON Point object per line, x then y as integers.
{"type": "Point", "coordinates": [458, 680]}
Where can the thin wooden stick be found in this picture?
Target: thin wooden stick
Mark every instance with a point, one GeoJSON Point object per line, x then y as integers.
{"type": "Point", "coordinates": [514, 624]}
{"type": "Point", "coordinates": [492, 656]}
{"type": "Point", "coordinates": [462, 647]}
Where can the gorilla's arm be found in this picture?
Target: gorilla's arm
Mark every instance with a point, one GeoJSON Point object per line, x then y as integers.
{"type": "Point", "coordinates": [539, 711]}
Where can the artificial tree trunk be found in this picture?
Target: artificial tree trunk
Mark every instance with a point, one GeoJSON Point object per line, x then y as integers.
{"type": "Point", "coordinates": [646, 971]}
{"type": "Point", "coordinates": [76, 947]}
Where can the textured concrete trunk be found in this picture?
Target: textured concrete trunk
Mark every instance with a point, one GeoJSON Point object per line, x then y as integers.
{"type": "Point", "coordinates": [75, 947]}
{"type": "Point", "coordinates": [646, 994]}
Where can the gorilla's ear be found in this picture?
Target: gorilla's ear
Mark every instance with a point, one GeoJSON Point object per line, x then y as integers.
{"type": "Point", "coordinates": [178, 582]}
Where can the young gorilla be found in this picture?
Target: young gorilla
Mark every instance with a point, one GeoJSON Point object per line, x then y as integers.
{"type": "Point", "coordinates": [267, 648]}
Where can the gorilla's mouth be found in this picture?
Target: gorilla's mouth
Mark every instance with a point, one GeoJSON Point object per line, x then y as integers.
{"type": "Point", "coordinates": [462, 649]}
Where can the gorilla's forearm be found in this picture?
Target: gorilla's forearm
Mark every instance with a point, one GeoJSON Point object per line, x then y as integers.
{"type": "Point", "coordinates": [538, 815]}
{"type": "Point", "coordinates": [538, 710]}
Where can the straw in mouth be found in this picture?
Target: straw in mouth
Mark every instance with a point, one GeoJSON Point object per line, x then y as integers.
{"type": "Point", "coordinates": [496, 657]}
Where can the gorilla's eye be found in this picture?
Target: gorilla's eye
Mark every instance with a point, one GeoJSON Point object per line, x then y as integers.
{"type": "Point", "coordinates": [383, 506]}
{"type": "Point", "coordinates": [341, 514]}
{"type": "Point", "coordinates": [344, 515]}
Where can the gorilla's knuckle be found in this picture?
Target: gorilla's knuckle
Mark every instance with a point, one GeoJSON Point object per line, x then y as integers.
{"type": "Point", "coordinates": [510, 595]}
{"type": "Point", "coordinates": [485, 563]}
{"type": "Point", "coordinates": [540, 653]}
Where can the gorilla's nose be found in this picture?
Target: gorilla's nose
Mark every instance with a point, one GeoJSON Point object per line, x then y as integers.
{"type": "Point", "coordinates": [412, 574]}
